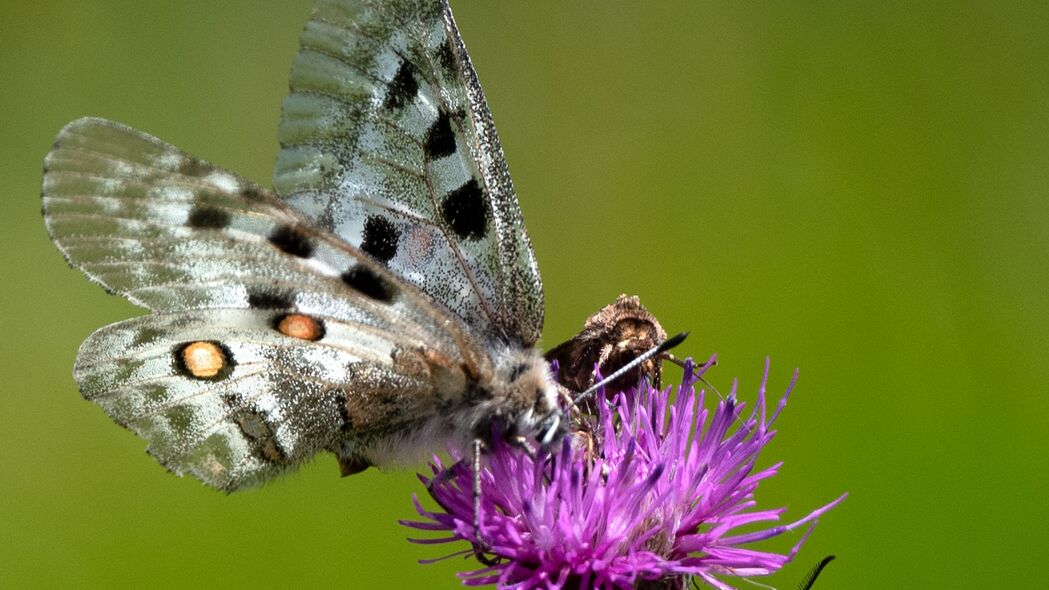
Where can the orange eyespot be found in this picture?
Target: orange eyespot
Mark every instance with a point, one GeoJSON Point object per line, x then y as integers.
{"type": "Point", "coordinates": [203, 360]}
{"type": "Point", "coordinates": [300, 326]}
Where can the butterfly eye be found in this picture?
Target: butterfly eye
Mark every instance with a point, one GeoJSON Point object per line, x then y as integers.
{"type": "Point", "coordinates": [301, 326]}
{"type": "Point", "coordinates": [517, 371]}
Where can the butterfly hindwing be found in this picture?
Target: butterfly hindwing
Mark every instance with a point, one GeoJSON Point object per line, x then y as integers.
{"type": "Point", "coordinates": [266, 332]}
{"type": "Point", "coordinates": [388, 142]}
{"type": "Point", "coordinates": [257, 415]}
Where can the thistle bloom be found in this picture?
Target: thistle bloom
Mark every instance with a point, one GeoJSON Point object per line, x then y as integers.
{"type": "Point", "coordinates": [654, 498]}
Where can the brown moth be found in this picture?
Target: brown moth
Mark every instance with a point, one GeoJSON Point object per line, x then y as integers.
{"type": "Point", "coordinates": [614, 336]}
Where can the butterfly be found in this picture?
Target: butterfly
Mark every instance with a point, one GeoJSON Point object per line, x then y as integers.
{"type": "Point", "coordinates": [381, 303]}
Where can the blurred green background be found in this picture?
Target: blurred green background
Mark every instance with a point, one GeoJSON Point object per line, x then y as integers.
{"type": "Point", "coordinates": [858, 190]}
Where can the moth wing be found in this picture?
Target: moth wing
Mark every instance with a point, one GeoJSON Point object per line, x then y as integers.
{"type": "Point", "coordinates": [388, 142]}
{"type": "Point", "coordinates": [611, 338]}
{"type": "Point", "coordinates": [220, 262]}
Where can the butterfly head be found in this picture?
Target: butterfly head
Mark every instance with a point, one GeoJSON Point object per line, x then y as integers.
{"type": "Point", "coordinates": [523, 401]}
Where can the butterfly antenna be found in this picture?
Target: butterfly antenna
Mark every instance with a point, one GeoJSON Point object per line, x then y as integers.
{"type": "Point", "coordinates": [656, 350]}
{"type": "Point", "coordinates": [810, 578]}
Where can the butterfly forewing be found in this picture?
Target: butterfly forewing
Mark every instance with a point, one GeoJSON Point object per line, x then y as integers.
{"type": "Point", "coordinates": [388, 142]}
{"type": "Point", "coordinates": [266, 333]}
{"type": "Point", "coordinates": [123, 208]}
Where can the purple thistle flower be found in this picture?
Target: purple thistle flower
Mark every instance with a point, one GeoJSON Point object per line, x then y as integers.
{"type": "Point", "coordinates": [645, 504]}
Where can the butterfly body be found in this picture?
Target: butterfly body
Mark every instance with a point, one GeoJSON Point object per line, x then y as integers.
{"type": "Point", "coordinates": [517, 398]}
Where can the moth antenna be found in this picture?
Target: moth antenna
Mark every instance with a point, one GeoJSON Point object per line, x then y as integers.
{"type": "Point", "coordinates": [658, 349]}
{"type": "Point", "coordinates": [710, 385]}
{"type": "Point", "coordinates": [810, 578]}
{"type": "Point", "coordinates": [702, 379]}
{"type": "Point", "coordinates": [681, 362]}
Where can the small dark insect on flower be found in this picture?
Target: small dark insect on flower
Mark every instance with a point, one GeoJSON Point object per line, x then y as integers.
{"type": "Point", "coordinates": [653, 501]}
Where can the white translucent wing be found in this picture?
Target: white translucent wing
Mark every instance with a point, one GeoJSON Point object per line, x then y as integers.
{"type": "Point", "coordinates": [388, 142]}
{"type": "Point", "coordinates": [273, 404]}
{"type": "Point", "coordinates": [224, 265]}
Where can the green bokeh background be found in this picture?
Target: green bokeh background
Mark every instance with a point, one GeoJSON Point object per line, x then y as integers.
{"type": "Point", "coordinates": [858, 190]}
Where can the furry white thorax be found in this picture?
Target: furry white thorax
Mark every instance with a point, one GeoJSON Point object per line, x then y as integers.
{"type": "Point", "coordinates": [519, 399]}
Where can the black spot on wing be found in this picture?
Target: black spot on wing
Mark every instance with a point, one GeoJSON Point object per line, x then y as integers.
{"type": "Point", "coordinates": [440, 140]}
{"type": "Point", "coordinates": [402, 88]}
{"type": "Point", "coordinates": [380, 238]}
{"type": "Point", "coordinates": [265, 299]}
{"type": "Point", "coordinates": [291, 241]}
{"type": "Point", "coordinates": [146, 335]}
{"type": "Point", "coordinates": [205, 217]}
{"type": "Point", "coordinates": [465, 211]}
{"type": "Point", "coordinates": [365, 281]}
{"type": "Point", "coordinates": [446, 59]}
{"type": "Point", "coordinates": [255, 428]}
{"type": "Point", "coordinates": [251, 193]}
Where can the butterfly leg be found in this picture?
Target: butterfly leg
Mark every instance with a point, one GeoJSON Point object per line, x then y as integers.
{"type": "Point", "coordinates": [476, 460]}
{"type": "Point", "coordinates": [480, 544]}
{"type": "Point", "coordinates": [520, 442]}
